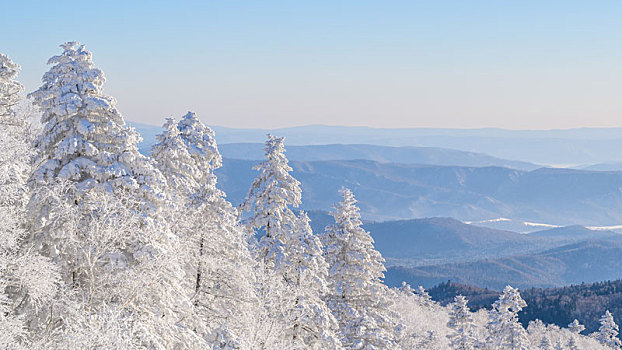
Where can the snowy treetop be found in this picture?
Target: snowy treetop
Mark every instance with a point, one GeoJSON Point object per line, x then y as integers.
{"type": "Point", "coordinates": [10, 89]}
{"type": "Point", "coordinates": [187, 153]}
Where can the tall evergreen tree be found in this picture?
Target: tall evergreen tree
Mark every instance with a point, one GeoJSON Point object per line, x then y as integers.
{"type": "Point", "coordinates": [289, 249]}
{"type": "Point", "coordinates": [187, 154]}
{"type": "Point", "coordinates": [357, 296]}
{"type": "Point", "coordinates": [575, 327]}
{"type": "Point", "coordinates": [608, 332]}
{"type": "Point", "coordinates": [310, 323]}
{"type": "Point", "coordinates": [218, 263]}
{"type": "Point", "coordinates": [272, 195]}
{"type": "Point", "coordinates": [10, 91]}
{"type": "Point", "coordinates": [505, 330]}
{"type": "Point", "coordinates": [461, 322]}
{"type": "Point", "coordinates": [85, 139]}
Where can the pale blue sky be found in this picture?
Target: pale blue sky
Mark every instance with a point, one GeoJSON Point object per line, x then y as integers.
{"type": "Point", "coordinates": [511, 64]}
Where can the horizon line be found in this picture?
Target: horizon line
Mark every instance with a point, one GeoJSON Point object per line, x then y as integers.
{"type": "Point", "coordinates": [394, 128]}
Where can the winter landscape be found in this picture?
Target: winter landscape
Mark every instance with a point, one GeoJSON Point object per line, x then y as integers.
{"type": "Point", "coordinates": [176, 232]}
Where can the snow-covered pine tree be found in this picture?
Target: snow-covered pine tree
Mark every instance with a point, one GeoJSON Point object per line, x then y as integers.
{"type": "Point", "coordinates": [575, 327]}
{"type": "Point", "coordinates": [272, 195]}
{"type": "Point", "coordinates": [291, 255]}
{"type": "Point", "coordinates": [423, 294]}
{"type": "Point", "coordinates": [219, 266]}
{"type": "Point", "coordinates": [10, 91]}
{"type": "Point", "coordinates": [85, 139]}
{"type": "Point", "coordinates": [15, 138]}
{"type": "Point", "coordinates": [310, 323]}
{"type": "Point", "coordinates": [461, 323]}
{"type": "Point", "coordinates": [505, 330]}
{"type": "Point", "coordinates": [187, 155]}
{"type": "Point", "coordinates": [27, 280]}
{"type": "Point", "coordinates": [608, 332]}
{"type": "Point", "coordinates": [358, 298]}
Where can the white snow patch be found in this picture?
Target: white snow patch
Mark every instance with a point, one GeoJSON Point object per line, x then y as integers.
{"type": "Point", "coordinates": [535, 224]}
{"type": "Point", "coordinates": [604, 228]}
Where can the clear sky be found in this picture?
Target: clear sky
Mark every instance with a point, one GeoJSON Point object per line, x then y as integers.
{"type": "Point", "coordinates": [511, 64]}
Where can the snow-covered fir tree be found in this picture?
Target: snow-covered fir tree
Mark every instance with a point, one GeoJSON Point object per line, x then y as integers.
{"type": "Point", "coordinates": [10, 91]}
{"type": "Point", "coordinates": [505, 330]}
{"type": "Point", "coordinates": [272, 195]}
{"type": "Point", "coordinates": [187, 154]}
{"type": "Point", "coordinates": [218, 264]}
{"type": "Point", "coordinates": [461, 323]}
{"type": "Point", "coordinates": [291, 253]}
{"type": "Point", "coordinates": [310, 323]}
{"type": "Point", "coordinates": [16, 139]}
{"type": "Point", "coordinates": [358, 298]}
{"type": "Point", "coordinates": [85, 139]}
{"type": "Point", "coordinates": [575, 327]}
{"type": "Point", "coordinates": [608, 332]}
{"type": "Point", "coordinates": [425, 296]}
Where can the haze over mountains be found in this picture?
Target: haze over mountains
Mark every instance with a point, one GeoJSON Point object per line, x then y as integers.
{"type": "Point", "coordinates": [381, 154]}
{"type": "Point", "coordinates": [571, 147]}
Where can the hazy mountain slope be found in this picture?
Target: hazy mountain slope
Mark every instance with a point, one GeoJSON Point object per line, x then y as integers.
{"type": "Point", "coordinates": [389, 191]}
{"type": "Point", "coordinates": [610, 166]}
{"type": "Point", "coordinates": [573, 233]}
{"type": "Point", "coordinates": [383, 154]}
{"type": "Point", "coordinates": [586, 261]}
{"type": "Point", "coordinates": [429, 251]}
{"type": "Point", "coordinates": [424, 241]}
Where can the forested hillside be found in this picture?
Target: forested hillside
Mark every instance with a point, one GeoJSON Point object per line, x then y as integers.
{"type": "Point", "coordinates": [585, 302]}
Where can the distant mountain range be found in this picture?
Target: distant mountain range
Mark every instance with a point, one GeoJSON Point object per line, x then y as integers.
{"type": "Point", "coordinates": [609, 166]}
{"type": "Point", "coordinates": [430, 251]}
{"type": "Point", "coordinates": [432, 241]}
{"type": "Point", "coordinates": [389, 191]}
{"type": "Point", "coordinates": [587, 261]}
{"type": "Point", "coordinates": [572, 147]}
{"type": "Point", "coordinates": [382, 154]}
